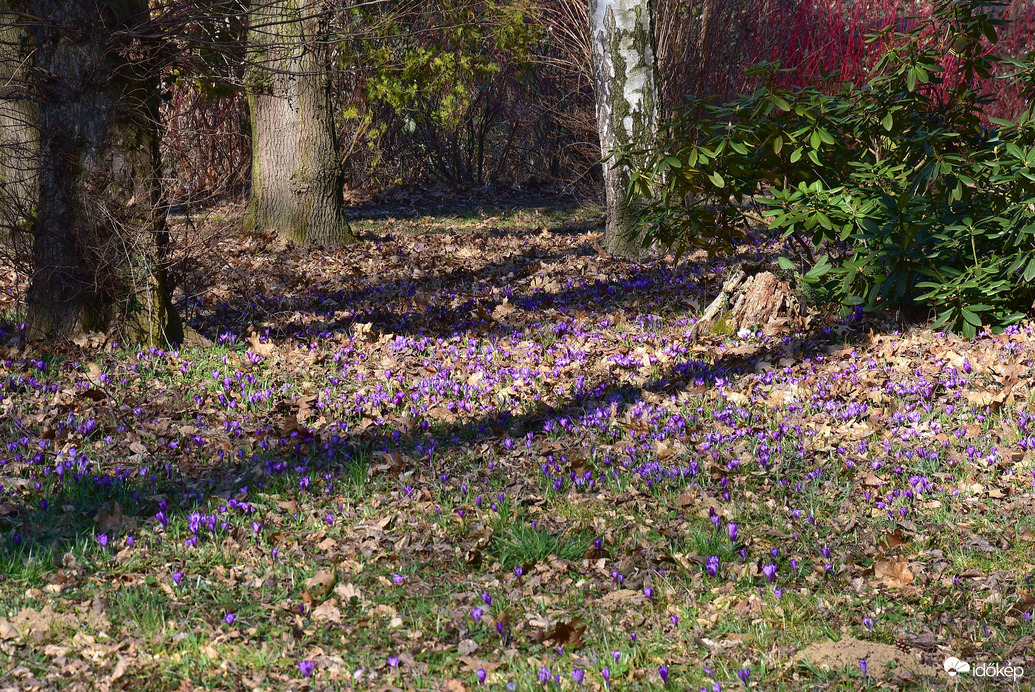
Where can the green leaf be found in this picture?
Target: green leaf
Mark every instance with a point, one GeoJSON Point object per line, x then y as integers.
{"type": "Point", "coordinates": [911, 80]}
{"type": "Point", "coordinates": [989, 32]}
{"type": "Point", "coordinates": [888, 122]}
{"type": "Point", "coordinates": [780, 102]}
{"type": "Point", "coordinates": [786, 264]}
{"type": "Point", "coordinates": [970, 317]}
{"type": "Point", "coordinates": [777, 144]}
{"type": "Point", "coordinates": [739, 147]}
{"type": "Point", "coordinates": [717, 179]}
{"type": "Point", "coordinates": [821, 269]}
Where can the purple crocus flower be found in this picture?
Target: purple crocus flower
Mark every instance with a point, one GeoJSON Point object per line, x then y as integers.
{"type": "Point", "coordinates": [711, 565]}
{"type": "Point", "coordinates": [229, 618]}
{"type": "Point", "coordinates": [477, 614]}
{"type": "Point", "coordinates": [306, 667]}
{"type": "Point", "coordinates": [770, 572]}
{"type": "Point", "coordinates": [732, 528]}
{"type": "Point", "coordinates": [102, 538]}
{"type": "Point", "coordinates": [868, 622]}
{"type": "Point", "coordinates": [649, 593]}
{"type": "Point", "coordinates": [578, 675]}
{"type": "Point", "coordinates": [393, 661]}
{"type": "Point", "coordinates": [663, 672]}
{"type": "Point", "coordinates": [744, 674]}
{"type": "Point", "coordinates": [487, 598]}
{"type": "Point", "coordinates": [177, 577]}
{"type": "Point", "coordinates": [862, 665]}
{"type": "Point", "coordinates": [481, 676]}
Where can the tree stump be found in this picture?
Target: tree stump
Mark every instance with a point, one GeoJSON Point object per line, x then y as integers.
{"type": "Point", "coordinates": [748, 302]}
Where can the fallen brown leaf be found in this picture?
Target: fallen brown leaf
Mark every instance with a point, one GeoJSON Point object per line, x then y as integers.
{"type": "Point", "coordinates": [894, 574]}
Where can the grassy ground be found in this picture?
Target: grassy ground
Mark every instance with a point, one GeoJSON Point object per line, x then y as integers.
{"type": "Point", "coordinates": [470, 451]}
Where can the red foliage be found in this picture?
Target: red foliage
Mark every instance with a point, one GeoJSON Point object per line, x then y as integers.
{"type": "Point", "coordinates": [811, 37]}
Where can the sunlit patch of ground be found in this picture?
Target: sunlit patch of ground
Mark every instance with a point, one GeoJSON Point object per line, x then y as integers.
{"type": "Point", "coordinates": [472, 451]}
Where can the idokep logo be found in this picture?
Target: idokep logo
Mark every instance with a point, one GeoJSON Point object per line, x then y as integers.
{"type": "Point", "coordinates": [954, 666]}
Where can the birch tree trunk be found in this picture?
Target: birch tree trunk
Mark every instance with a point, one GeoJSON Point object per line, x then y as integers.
{"type": "Point", "coordinates": [296, 174]}
{"type": "Point", "coordinates": [100, 238]}
{"type": "Point", "coordinates": [625, 82]}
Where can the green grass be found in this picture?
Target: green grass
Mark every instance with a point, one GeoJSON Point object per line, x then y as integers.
{"type": "Point", "coordinates": [418, 534]}
{"type": "Point", "coordinates": [520, 545]}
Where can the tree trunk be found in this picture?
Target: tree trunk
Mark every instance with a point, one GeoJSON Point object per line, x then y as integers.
{"type": "Point", "coordinates": [625, 82]}
{"type": "Point", "coordinates": [296, 174]}
{"type": "Point", "coordinates": [99, 234]}
{"type": "Point", "coordinates": [750, 302]}
{"type": "Point", "coordinates": [704, 45]}
{"type": "Point", "coordinates": [19, 141]}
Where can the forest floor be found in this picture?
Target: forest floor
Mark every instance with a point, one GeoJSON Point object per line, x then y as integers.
{"type": "Point", "coordinates": [470, 451]}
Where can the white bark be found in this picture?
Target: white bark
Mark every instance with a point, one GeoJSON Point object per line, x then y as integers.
{"type": "Point", "coordinates": [625, 76]}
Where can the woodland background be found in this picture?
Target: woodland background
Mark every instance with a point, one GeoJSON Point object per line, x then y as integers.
{"type": "Point", "coordinates": [454, 95]}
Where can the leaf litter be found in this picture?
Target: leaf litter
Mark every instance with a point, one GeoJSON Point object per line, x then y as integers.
{"type": "Point", "coordinates": [477, 447]}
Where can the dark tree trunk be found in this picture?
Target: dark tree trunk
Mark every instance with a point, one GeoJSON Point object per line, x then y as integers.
{"type": "Point", "coordinates": [296, 173]}
{"type": "Point", "coordinates": [100, 234]}
{"type": "Point", "coordinates": [19, 141]}
{"type": "Point", "coordinates": [625, 83]}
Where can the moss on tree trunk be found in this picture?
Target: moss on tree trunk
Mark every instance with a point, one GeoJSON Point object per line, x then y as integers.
{"type": "Point", "coordinates": [296, 186]}
{"type": "Point", "coordinates": [100, 238]}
